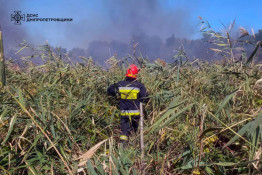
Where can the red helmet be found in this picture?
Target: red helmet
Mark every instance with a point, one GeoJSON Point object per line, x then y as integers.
{"type": "Point", "coordinates": [132, 71]}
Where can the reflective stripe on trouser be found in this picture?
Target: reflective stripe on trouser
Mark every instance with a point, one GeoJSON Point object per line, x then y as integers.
{"type": "Point", "coordinates": [123, 137]}
{"type": "Point", "coordinates": [130, 112]}
{"type": "Point", "coordinates": [128, 124]}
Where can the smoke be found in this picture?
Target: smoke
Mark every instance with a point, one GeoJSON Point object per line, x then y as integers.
{"type": "Point", "coordinates": [101, 29]}
{"type": "Point", "coordinates": [12, 34]}
{"type": "Point", "coordinates": [150, 17]}
{"type": "Point", "coordinates": [120, 20]}
{"type": "Point", "coordinates": [147, 22]}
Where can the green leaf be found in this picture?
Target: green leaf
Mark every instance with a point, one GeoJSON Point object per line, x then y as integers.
{"type": "Point", "coordinates": [210, 130]}
{"type": "Point", "coordinates": [256, 123]}
{"type": "Point", "coordinates": [225, 163]}
{"type": "Point", "coordinates": [190, 164]}
{"type": "Point", "coordinates": [166, 114]}
{"type": "Point", "coordinates": [176, 115]}
{"type": "Point", "coordinates": [242, 131]}
{"type": "Point", "coordinates": [12, 122]}
{"type": "Point", "coordinates": [174, 102]}
{"type": "Point", "coordinates": [209, 171]}
{"type": "Point", "coordinates": [90, 168]}
{"type": "Point", "coordinates": [225, 101]}
{"type": "Point", "coordinates": [20, 97]}
{"type": "Point", "coordinates": [222, 44]}
{"type": "Point", "coordinates": [3, 115]}
{"type": "Point", "coordinates": [100, 169]}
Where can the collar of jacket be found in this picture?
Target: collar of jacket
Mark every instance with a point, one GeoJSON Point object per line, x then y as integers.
{"type": "Point", "coordinates": [130, 79]}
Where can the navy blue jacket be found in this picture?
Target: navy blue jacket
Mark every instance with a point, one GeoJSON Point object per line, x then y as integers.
{"type": "Point", "coordinates": [131, 93]}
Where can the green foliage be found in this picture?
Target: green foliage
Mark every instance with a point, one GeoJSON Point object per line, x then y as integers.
{"type": "Point", "coordinates": [65, 104]}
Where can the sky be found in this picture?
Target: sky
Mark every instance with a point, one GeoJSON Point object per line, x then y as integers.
{"type": "Point", "coordinates": [108, 20]}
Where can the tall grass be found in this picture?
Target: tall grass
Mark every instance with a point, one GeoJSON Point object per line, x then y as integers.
{"type": "Point", "coordinates": [2, 62]}
{"type": "Point", "coordinates": [202, 117]}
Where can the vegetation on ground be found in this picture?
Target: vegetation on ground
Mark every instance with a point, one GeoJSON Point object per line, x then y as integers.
{"type": "Point", "coordinates": [202, 118]}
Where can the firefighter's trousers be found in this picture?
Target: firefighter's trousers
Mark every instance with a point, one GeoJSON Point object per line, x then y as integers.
{"type": "Point", "coordinates": [128, 124]}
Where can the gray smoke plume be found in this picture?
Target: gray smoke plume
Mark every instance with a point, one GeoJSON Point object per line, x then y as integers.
{"type": "Point", "coordinates": [109, 30]}
{"type": "Point", "coordinates": [120, 20]}
{"type": "Point", "coordinates": [12, 34]}
{"type": "Point", "coordinates": [103, 28]}
{"type": "Point", "coordinates": [126, 22]}
{"type": "Point", "coordinates": [150, 17]}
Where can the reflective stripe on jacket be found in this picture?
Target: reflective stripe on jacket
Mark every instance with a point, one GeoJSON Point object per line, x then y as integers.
{"type": "Point", "coordinates": [131, 93]}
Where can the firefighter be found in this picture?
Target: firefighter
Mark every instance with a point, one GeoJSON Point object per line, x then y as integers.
{"type": "Point", "coordinates": [131, 93]}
